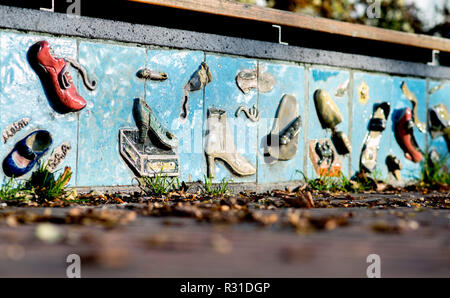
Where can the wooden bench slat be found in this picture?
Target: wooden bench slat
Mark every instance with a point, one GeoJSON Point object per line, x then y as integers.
{"type": "Point", "coordinates": [285, 18]}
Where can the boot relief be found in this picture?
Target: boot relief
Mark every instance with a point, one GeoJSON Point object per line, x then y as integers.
{"type": "Point", "coordinates": [219, 144]}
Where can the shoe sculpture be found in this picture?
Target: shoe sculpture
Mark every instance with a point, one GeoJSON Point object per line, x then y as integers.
{"type": "Point", "coordinates": [330, 116]}
{"type": "Point", "coordinates": [148, 74]}
{"type": "Point", "coordinates": [146, 122]}
{"type": "Point", "coordinates": [325, 153]}
{"type": "Point", "coordinates": [60, 80]}
{"type": "Point", "coordinates": [394, 166]}
{"type": "Point", "coordinates": [219, 144]}
{"type": "Point", "coordinates": [404, 133]}
{"type": "Point", "coordinates": [369, 152]}
{"type": "Point", "coordinates": [439, 122]}
{"type": "Point", "coordinates": [26, 153]}
{"type": "Point", "coordinates": [199, 79]}
{"type": "Point", "coordinates": [283, 139]}
{"type": "Point", "coordinates": [341, 142]}
{"type": "Point", "coordinates": [249, 79]}
{"type": "Point", "coordinates": [324, 158]}
{"type": "Point", "coordinates": [327, 110]}
{"type": "Point", "coordinates": [413, 99]}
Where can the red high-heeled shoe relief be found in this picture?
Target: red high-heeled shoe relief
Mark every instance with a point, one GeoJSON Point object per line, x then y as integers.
{"type": "Point", "coordinates": [405, 136]}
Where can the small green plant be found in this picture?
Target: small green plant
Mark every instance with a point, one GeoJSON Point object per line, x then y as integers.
{"type": "Point", "coordinates": [346, 185]}
{"type": "Point", "coordinates": [435, 171]}
{"type": "Point", "coordinates": [376, 175]}
{"type": "Point", "coordinates": [340, 183]}
{"type": "Point", "coordinates": [365, 182]}
{"type": "Point", "coordinates": [322, 183]}
{"type": "Point", "coordinates": [44, 184]}
{"type": "Point", "coordinates": [216, 190]}
{"type": "Point", "coordinates": [160, 184]}
{"type": "Point", "coordinates": [12, 190]}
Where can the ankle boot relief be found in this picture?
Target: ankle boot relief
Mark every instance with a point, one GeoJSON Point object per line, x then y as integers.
{"type": "Point", "coordinates": [219, 144]}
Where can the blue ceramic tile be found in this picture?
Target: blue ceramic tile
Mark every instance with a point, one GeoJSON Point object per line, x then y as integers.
{"type": "Point", "coordinates": [165, 98]}
{"type": "Point", "coordinates": [328, 80]}
{"type": "Point", "coordinates": [289, 79]}
{"type": "Point", "coordinates": [224, 93]}
{"type": "Point", "coordinates": [109, 109]}
{"type": "Point", "coordinates": [380, 90]}
{"type": "Point", "coordinates": [410, 169]}
{"type": "Point", "coordinates": [22, 95]}
{"type": "Point", "coordinates": [439, 96]}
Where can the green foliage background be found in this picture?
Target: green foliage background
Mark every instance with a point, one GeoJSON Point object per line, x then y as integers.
{"type": "Point", "coordinates": [395, 14]}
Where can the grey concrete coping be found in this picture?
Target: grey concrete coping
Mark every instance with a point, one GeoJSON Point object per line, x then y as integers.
{"type": "Point", "coordinates": [87, 27]}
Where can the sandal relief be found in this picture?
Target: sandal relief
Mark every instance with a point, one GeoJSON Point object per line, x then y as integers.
{"type": "Point", "coordinates": [199, 80]}
{"type": "Point", "coordinates": [283, 139]}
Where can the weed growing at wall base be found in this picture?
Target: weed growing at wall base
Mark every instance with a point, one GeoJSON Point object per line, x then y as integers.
{"type": "Point", "coordinates": [358, 183]}
{"type": "Point", "coordinates": [218, 189]}
{"type": "Point", "coordinates": [12, 190]}
{"type": "Point", "coordinates": [44, 184]}
{"type": "Point", "coordinates": [41, 186]}
{"type": "Point", "coordinates": [160, 184]}
{"type": "Point", "coordinates": [435, 171]}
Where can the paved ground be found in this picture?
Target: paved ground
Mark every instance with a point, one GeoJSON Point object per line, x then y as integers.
{"type": "Point", "coordinates": [131, 240]}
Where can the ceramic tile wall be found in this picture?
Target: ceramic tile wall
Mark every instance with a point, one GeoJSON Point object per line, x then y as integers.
{"type": "Point", "coordinates": [93, 131]}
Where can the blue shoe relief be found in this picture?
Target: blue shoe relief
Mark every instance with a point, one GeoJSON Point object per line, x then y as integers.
{"type": "Point", "coordinates": [26, 153]}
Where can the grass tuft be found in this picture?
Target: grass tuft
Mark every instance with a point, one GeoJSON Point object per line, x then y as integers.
{"type": "Point", "coordinates": [435, 171]}
{"type": "Point", "coordinates": [159, 184]}
{"type": "Point", "coordinates": [12, 190]}
{"type": "Point", "coordinates": [44, 184]}
{"type": "Point", "coordinates": [341, 183]}
{"type": "Point", "coordinates": [216, 190]}
{"type": "Point", "coordinates": [41, 186]}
